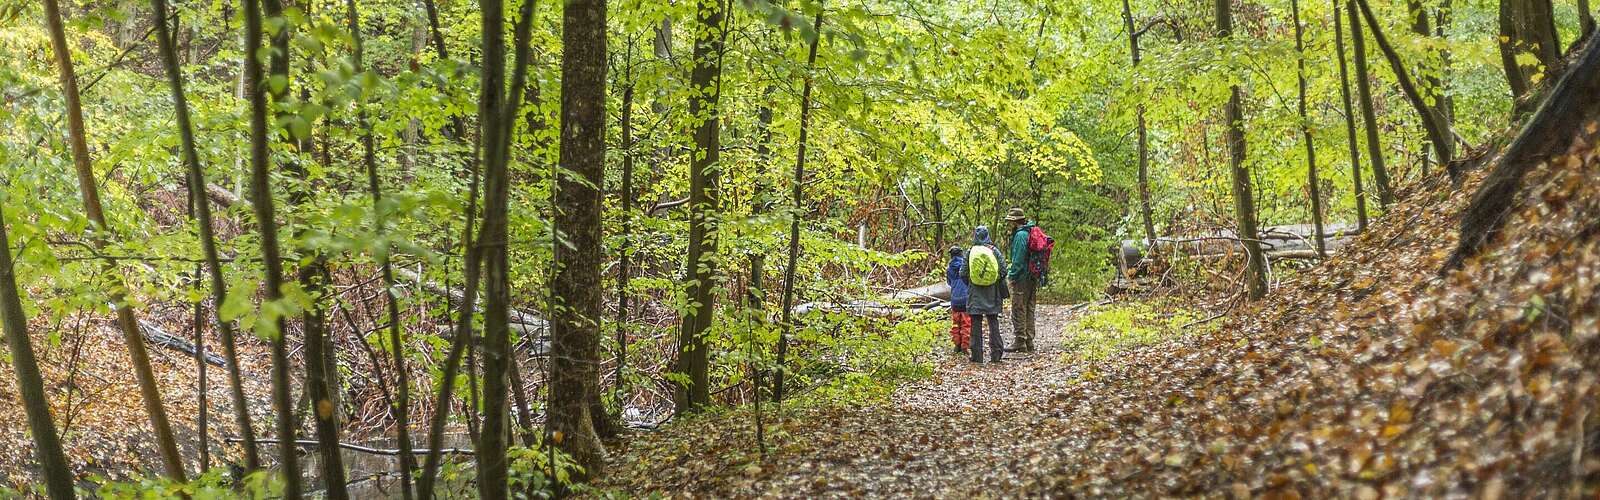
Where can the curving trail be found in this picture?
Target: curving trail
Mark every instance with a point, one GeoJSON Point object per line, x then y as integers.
{"type": "Point", "coordinates": [969, 430]}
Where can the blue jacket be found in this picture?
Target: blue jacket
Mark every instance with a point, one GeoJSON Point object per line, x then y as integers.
{"type": "Point", "coordinates": [958, 283]}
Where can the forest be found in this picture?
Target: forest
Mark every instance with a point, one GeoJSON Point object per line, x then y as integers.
{"type": "Point", "coordinates": [742, 248]}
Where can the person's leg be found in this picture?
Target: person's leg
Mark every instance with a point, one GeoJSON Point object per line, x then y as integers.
{"type": "Point", "coordinates": [955, 329]}
{"type": "Point", "coordinates": [997, 345]}
{"type": "Point", "coordinates": [965, 325]}
{"type": "Point", "coordinates": [1019, 332]}
{"type": "Point", "coordinates": [976, 348]}
{"type": "Point", "coordinates": [1030, 311]}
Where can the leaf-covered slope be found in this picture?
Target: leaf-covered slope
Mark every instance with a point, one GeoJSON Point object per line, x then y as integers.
{"type": "Point", "coordinates": [1369, 375]}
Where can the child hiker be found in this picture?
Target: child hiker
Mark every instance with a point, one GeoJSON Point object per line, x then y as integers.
{"type": "Point", "coordinates": [988, 291]}
{"type": "Point", "coordinates": [960, 323]}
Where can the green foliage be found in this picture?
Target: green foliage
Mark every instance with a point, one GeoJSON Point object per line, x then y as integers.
{"type": "Point", "coordinates": [1105, 330]}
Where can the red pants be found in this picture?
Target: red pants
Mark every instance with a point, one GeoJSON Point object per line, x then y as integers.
{"type": "Point", "coordinates": [961, 329]}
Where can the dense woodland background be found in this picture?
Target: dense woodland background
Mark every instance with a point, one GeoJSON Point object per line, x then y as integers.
{"type": "Point", "coordinates": [649, 208]}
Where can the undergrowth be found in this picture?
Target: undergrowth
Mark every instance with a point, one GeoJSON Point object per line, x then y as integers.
{"type": "Point", "coordinates": [1105, 330]}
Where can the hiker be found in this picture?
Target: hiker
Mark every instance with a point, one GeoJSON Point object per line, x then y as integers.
{"type": "Point", "coordinates": [1030, 264]}
{"type": "Point", "coordinates": [987, 291]}
{"type": "Point", "coordinates": [960, 323]}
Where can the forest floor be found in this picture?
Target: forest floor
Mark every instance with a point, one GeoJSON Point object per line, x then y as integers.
{"type": "Point", "coordinates": [968, 430]}
{"type": "Point", "coordinates": [1368, 375]}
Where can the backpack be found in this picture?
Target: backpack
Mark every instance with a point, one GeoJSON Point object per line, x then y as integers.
{"type": "Point", "coordinates": [1040, 246]}
{"type": "Point", "coordinates": [983, 267]}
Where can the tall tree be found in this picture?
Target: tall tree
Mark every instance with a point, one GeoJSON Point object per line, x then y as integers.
{"type": "Point", "coordinates": [1527, 26]}
{"type": "Point", "coordinates": [1380, 172]}
{"type": "Point", "coordinates": [89, 189]}
{"type": "Point", "coordinates": [625, 197]}
{"type": "Point", "coordinates": [1144, 138]}
{"type": "Point", "coordinates": [1436, 132]}
{"type": "Point", "coordinates": [797, 196]}
{"type": "Point", "coordinates": [30, 384]}
{"type": "Point", "coordinates": [1349, 120]}
{"type": "Point", "coordinates": [704, 174]}
{"type": "Point", "coordinates": [1313, 183]}
{"type": "Point", "coordinates": [498, 108]}
{"type": "Point", "coordinates": [1243, 196]}
{"type": "Point", "coordinates": [267, 225]}
{"type": "Point", "coordinates": [575, 324]}
{"type": "Point", "coordinates": [1432, 74]}
{"type": "Point", "coordinates": [402, 403]}
{"type": "Point", "coordinates": [208, 239]}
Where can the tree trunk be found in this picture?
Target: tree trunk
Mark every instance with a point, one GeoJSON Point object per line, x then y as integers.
{"type": "Point", "coordinates": [1144, 140]}
{"type": "Point", "coordinates": [47, 444]}
{"type": "Point", "coordinates": [575, 325]}
{"type": "Point", "coordinates": [1431, 81]}
{"type": "Point", "coordinates": [1528, 26]}
{"type": "Point", "coordinates": [1313, 182]}
{"type": "Point", "coordinates": [1380, 172]}
{"type": "Point", "coordinates": [797, 193]}
{"type": "Point", "coordinates": [472, 259]}
{"type": "Point", "coordinates": [1585, 19]}
{"type": "Point", "coordinates": [201, 206]}
{"type": "Point", "coordinates": [1430, 120]}
{"type": "Point", "coordinates": [267, 225]}
{"type": "Point", "coordinates": [499, 109]}
{"type": "Point", "coordinates": [402, 404]}
{"type": "Point", "coordinates": [89, 189]}
{"type": "Point", "coordinates": [704, 175]}
{"type": "Point", "coordinates": [319, 383]}
{"type": "Point", "coordinates": [625, 229]}
{"type": "Point", "coordinates": [1574, 102]}
{"type": "Point", "coordinates": [1350, 121]}
{"type": "Point", "coordinates": [1243, 197]}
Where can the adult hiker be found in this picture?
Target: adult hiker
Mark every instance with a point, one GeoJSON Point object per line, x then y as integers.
{"type": "Point", "coordinates": [1030, 264]}
{"type": "Point", "coordinates": [960, 323]}
{"type": "Point", "coordinates": [983, 267]}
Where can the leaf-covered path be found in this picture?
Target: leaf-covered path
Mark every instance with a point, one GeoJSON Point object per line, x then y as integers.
{"type": "Point", "coordinates": [968, 430]}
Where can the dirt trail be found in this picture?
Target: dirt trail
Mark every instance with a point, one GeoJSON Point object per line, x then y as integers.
{"type": "Point", "coordinates": [969, 430]}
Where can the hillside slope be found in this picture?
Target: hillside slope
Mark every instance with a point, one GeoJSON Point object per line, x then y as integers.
{"type": "Point", "coordinates": [1369, 375]}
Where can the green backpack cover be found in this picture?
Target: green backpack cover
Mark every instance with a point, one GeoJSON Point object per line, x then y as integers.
{"type": "Point", "coordinates": [983, 267]}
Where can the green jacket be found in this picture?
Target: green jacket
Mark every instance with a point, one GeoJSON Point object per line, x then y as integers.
{"type": "Point", "coordinates": [1019, 253]}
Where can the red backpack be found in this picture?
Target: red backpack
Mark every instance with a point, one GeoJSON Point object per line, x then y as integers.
{"type": "Point", "coordinates": [1040, 246]}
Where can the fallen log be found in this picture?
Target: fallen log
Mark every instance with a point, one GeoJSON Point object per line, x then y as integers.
{"type": "Point", "coordinates": [1290, 242]}
{"type": "Point", "coordinates": [311, 444]}
{"type": "Point", "coordinates": [155, 335]}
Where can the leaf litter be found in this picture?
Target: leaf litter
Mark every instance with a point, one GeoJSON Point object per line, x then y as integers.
{"type": "Point", "coordinates": [1365, 377]}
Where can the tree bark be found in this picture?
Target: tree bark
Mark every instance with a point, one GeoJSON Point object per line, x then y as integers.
{"type": "Point", "coordinates": [1574, 102]}
{"type": "Point", "coordinates": [1380, 172]}
{"type": "Point", "coordinates": [1350, 120]}
{"type": "Point", "coordinates": [1144, 141]}
{"type": "Point", "coordinates": [499, 108]}
{"type": "Point", "coordinates": [625, 254]}
{"type": "Point", "coordinates": [267, 225]}
{"type": "Point", "coordinates": [402, 405]}
{"type": "Point", "coordinates": [797, 193]}
{"type": "Point", "coordinates": [1437, 133]}
{"type": "Point", "coordinates": [1243, 197]}
{"type": "Point", "coordinates": [575, 325]}
{"type": "Point", "coordinates": [89, 189]}
{"type": "Point", "coordinates": [1528, 26]}
{"type": "Point", "coordinates": [58, 480]}
{"type": "Point", "coordinates": [1313, 182]}
{"type": "Point", "coordinates": [201, 206]}
{"type": "Point", "coordinates": [704, 175]}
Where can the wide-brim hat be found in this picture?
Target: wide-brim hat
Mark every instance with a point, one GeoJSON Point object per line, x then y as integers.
{"type": "Point", "coordinates": [1016, 215]}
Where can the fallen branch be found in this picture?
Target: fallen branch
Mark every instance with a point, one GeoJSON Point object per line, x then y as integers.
{"type": "Point", "coordinates": [155, 335]}
{"type": "Point", "coordinates": [313, 444]}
